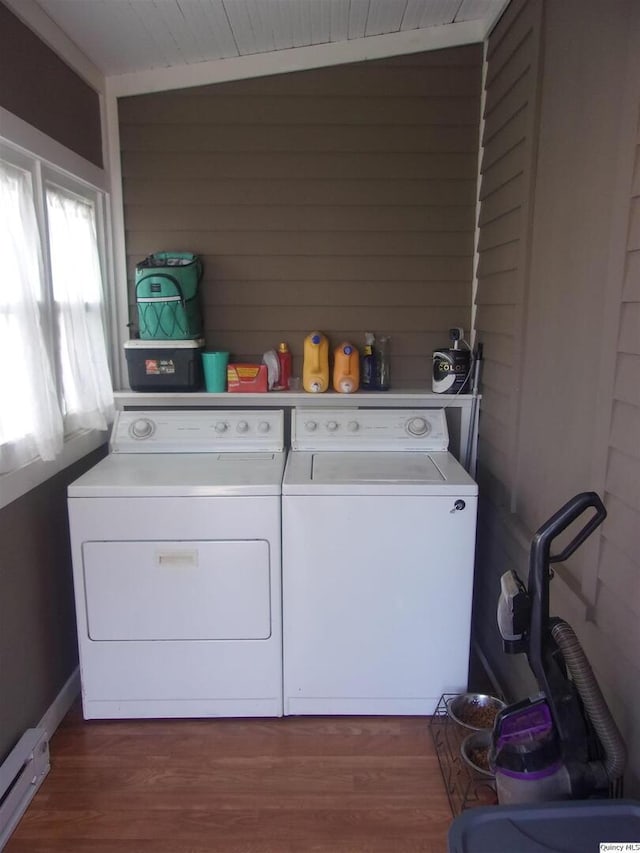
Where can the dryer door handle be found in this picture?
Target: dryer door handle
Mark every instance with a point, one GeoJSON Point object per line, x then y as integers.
{"type": "Point", "coordinates": [177, 559]}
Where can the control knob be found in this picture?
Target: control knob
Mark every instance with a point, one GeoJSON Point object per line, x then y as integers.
{"type": "Point", "coordinates": [418, 426]}
{"type": "Point", "coordinates": [332, 426]}
{"type": "Point", "coordinates": [220, 427]}
{"type": "Point", "coordinates": [142, 428]}
{"type": "Point", "coordinates": [264, 426]}
{"type": "Point", "coordinates": [353, 426]}
{"type": "Point", "coordinates": [310, 426]}
{"type": "Point", "coordinates": [243, 426]}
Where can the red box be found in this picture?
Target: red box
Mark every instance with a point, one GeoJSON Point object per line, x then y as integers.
{"type": "Point", "coordinates": [247, 378]}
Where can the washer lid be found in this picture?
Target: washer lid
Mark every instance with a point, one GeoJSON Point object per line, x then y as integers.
{"type": "Point", "coordinates": [375, 473]}
{"type": "Point", "coordinates": [374, 468]}
{"type": "Point", "coordinates": [182, 475]}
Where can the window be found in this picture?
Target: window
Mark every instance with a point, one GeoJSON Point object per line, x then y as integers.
{"type": "Point", "coordinates": [78, 309]}
{"type": "Point", "coordinates": [54, 374]}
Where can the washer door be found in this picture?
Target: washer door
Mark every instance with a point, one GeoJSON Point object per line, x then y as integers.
{"type": "Point", "coordinates": [191, 590]}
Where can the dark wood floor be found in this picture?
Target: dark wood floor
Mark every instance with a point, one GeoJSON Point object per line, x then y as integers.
{"type": "Point", "coordinates": [341, 784]}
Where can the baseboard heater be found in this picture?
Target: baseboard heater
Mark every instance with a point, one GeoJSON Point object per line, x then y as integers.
{"type": "Point", "coordinates": [21, 774]}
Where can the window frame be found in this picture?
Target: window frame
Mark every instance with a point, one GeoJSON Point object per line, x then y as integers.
{"type": "Point", "coordinates": [50, 162]}
{"type": "Point", "coordinates": [85, 194]}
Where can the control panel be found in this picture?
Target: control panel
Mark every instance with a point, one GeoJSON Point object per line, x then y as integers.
{"type": "Point", "coordinates": [369, 429]}
{"type": "Point", "coordinates": [151, 431]}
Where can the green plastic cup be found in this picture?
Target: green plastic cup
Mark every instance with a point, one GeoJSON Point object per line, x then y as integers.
{"type": "Point", "coordinates": [214, 366]}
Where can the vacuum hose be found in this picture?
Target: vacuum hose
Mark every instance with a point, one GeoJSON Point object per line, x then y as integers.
{"type": "Point", "coordinates": [594, 703]}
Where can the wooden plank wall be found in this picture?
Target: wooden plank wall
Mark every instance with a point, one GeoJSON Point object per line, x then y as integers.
{"type": "Point", "coordinates": [617, 613]}
{"type": "Point", "coordinates": [610, 635]}
{"type": "Point", "coordinates": [37, 617]}
{"type": "Point", "coordinates": [506, 191]}
{"type": "Point", "coordinates": [620, 560]}
{"type": "Point", "coordinates": [341, 199]}
{"type": "Point", "coordinates": [32, 78]}
{"type": "Point", "coordinates": [559, 314]}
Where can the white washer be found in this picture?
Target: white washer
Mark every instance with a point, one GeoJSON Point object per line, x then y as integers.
{"type": "Point", "coordinates": [379, 523]}
{"type": "Point", "coordinates": [176, 545]}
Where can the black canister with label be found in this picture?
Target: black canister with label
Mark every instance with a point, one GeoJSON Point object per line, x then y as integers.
{"type": "Point", "coordinates": [451, 371]}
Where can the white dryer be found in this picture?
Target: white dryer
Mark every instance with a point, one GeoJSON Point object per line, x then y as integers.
{"type": "Point", "coordinates": [176, 545]}
{"type": "Point", "coordinates": [379, 524]}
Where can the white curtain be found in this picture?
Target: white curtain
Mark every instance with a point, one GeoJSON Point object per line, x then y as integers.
{"type": "Point", "coordinates": [30, 418]}
{"type": "Point", "coordinates": [77, 292]}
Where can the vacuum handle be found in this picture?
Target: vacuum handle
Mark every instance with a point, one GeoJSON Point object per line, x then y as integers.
{"type": "Point", "coordinates": [540, 651]}
{"type": "Point", "coordinates": [565, 516]}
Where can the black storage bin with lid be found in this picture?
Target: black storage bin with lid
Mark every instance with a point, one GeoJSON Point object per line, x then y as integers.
{"type": "Point", "coordinates": [568, 826]}
{"type": "Point", "coordinates": [169, 365]}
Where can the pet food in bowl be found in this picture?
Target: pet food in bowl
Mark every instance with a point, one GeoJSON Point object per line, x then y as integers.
{"type": "Point", "coordinates": [475, 711]}
{"type": "Point", "coordinates": [475, 751]}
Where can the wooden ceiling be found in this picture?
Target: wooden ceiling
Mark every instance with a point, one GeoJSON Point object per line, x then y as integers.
{"type": "Point", "coordinates": [125, 36]}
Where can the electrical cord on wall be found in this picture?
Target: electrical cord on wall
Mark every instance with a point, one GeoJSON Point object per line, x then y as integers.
{"type": "Point", "coordinates": [475, 369]}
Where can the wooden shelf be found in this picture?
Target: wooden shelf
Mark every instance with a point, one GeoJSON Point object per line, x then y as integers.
{"type": "Point", "coordinates": [378, 399]}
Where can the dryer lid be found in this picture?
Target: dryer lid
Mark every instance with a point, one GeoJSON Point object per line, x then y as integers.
{"type": "Point", "coordinates": [182, 475]}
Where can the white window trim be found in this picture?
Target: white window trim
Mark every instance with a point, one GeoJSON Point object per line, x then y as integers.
{"type": "Point", "coordinates": [28, 140]}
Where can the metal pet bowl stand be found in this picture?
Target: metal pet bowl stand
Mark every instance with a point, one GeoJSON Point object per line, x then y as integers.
{"type": "Point", "coordinates": [465, 786]}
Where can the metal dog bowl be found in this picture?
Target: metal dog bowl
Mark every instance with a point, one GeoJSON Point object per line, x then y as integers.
{"type": "Point", "coordinates": [475, 711]}
{"type": "Point", "coordinates": [477, 742]}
